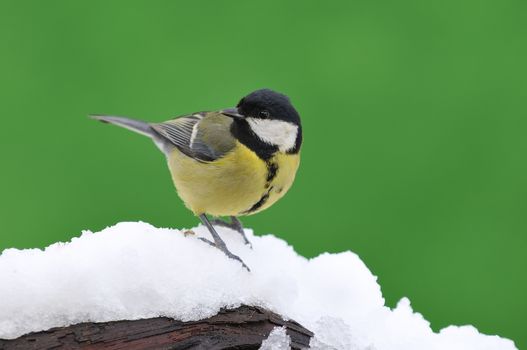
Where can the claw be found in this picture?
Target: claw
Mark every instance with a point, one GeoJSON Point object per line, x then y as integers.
{"type": "Point", "coordinates": [235, 225]}
{"type": "Point", "coordinates": [218, 242]}
{"type": "Point", "coordinates": [226, 252]}
{"type": "Point", "coordinates": [207, 241]}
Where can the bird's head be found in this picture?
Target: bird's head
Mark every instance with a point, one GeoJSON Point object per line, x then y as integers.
{"type": "Point", "coordinates": [271, 118]}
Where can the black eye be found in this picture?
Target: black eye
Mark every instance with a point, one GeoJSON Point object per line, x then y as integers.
{"type": "Point", "coordinates": [264, 114]}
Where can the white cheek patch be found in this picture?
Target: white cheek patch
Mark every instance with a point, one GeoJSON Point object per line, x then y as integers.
{"type": "Point", "coordinates": [275, 132]}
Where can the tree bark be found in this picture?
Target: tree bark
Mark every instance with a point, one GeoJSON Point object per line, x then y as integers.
{"type": "Point", "coordinates": [242, 328]}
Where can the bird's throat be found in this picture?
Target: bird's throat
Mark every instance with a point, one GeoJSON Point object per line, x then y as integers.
{"type": "Point", "coordinates": [241, 130]}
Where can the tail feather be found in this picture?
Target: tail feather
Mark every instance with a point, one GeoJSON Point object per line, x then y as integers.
{"type": "Point", "coordinates": [137, 126]}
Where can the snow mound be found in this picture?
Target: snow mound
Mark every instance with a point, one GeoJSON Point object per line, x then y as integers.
{"type": "Point", "coordinates": [134, 270]}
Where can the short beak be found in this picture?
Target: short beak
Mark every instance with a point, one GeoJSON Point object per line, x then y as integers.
{"type": "Point", "coordinates": [232, 112]}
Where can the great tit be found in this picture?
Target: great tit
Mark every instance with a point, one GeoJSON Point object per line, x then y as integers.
{"type": "Point", "coordinates": [232, 162]}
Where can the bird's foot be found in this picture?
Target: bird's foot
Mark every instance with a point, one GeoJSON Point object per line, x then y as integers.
{"type": "Point", "coordinates": [225, 251]}
{"type": "Point", "coordinates": [235, 225]}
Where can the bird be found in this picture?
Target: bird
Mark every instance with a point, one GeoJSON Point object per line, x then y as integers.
{"type": "Point", "coordinates": [231, 162]}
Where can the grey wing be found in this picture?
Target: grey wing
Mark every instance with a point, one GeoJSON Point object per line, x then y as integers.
{"type": "Point", "coordinates": [203, 136]}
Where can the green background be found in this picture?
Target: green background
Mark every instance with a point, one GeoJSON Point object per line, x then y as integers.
{"type": "Point", "coordinates": [414, 116]}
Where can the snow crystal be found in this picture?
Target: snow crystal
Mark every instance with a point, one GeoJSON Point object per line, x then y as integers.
{"type": "Point", "coordinates": [277, 340]}
{"type": "Point", "coordinates": [134, 270]}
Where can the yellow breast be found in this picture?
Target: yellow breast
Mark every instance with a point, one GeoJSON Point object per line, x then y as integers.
{"type": "Point", "coordinates": [239, 183]}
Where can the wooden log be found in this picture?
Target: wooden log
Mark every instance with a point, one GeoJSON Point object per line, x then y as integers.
{"type": "Point", "coordinates": [242, 328]}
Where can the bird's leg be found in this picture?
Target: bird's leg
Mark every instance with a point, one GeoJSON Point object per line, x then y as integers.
{"type": "Point", "coordinates": [218, 242]}
{"type": "Point", "coordinates": [236, 225]}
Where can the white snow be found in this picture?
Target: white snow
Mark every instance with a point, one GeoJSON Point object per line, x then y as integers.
{"type": "Point", "coordinates": [277, 340]}
{"type": "Point", "coordinates": [134, 270]}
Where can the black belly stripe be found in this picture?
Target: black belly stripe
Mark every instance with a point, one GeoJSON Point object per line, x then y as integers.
{"type": "Point", "coordinates": [272, 169]}
{"type": "Point", "coordinates": [260, 202]}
